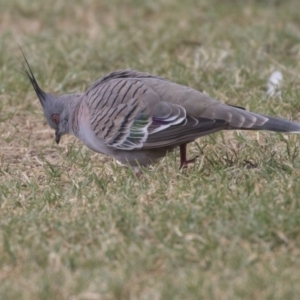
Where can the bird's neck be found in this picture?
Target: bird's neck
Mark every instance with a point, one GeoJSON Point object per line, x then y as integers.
{"type": "Point", "coordinates": [74, 109]}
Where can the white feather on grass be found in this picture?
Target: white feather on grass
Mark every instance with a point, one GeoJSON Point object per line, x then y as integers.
{"type": "Point", "coordinates": [274, 83]}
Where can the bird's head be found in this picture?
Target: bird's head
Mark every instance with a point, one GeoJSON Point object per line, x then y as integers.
{"type": "Point", "coordinates": [56, 108]}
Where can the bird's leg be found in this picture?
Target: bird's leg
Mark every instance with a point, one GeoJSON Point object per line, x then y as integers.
{"type": "Point", "coordinates": [183, 161]}
{"type": "Point", "coordinates": [137, 172]}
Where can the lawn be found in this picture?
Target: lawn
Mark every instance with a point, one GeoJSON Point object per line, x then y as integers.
{"type": "Point", "coordinates": [77, 225]}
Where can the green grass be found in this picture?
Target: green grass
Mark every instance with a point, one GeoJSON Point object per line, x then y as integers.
{"type": "Point", "coordinates": [76, 225]}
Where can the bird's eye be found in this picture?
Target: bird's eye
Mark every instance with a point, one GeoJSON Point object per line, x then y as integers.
{"type": "Point", "coordinates": [55, 118]}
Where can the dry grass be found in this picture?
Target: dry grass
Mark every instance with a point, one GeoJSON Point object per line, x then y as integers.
{"type": "Point", "coordinates": [76, 225]}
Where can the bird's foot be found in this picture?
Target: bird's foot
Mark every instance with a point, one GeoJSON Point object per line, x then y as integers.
{"type": "Point", "coordinates": [184, 163]}
{"type": "Point", "coordinates": [137, 172]}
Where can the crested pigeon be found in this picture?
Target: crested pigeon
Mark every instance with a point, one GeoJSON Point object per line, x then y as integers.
{"type": "Point", "coordinates": [137, 118]}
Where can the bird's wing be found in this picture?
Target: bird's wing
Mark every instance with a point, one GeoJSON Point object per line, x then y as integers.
{"type": "Point", "coordinates": [131, 110]}
{"type": "Point", "coordinates": [128, 114]}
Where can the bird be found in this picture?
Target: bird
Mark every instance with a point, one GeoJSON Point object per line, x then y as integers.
{"type": "Point", "coordinates": [137, 118]}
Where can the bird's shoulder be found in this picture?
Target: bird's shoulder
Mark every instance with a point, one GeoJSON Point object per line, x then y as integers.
{"type": "Point", "coordinates": [126, 74]}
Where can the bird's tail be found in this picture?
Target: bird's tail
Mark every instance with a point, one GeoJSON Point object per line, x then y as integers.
{"type": "Point", "coordinates": [239, 118]}
{"type": "Point", "coordinates": [278, 125]}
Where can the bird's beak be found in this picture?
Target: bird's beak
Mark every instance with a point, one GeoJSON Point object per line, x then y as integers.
{"type": "Point", "coordinates": [57, 136]}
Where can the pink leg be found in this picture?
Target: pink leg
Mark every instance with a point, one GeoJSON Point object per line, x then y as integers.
{"type": "Point", "coordinates": [137, 172]}
{"type": "Point", "coordinates": [183, 161]}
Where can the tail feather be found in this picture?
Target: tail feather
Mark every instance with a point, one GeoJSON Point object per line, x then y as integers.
{"type": "Point", "coordinates": [239, 118]}
{"type": "Point", "coordinates": [279, 125]}
{"type": "Point", "coordinates": [254, 121]}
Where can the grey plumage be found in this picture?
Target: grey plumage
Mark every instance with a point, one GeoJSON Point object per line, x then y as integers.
{"type": "Point", "coordinates": [137, 117]}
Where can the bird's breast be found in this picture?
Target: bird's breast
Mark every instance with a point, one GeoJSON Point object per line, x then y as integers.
{"type": "Point", "coordinates": [85, 132]}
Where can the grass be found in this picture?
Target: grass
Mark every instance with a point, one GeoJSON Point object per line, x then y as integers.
{"type": "Point", "coordinates": [76, 225]}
